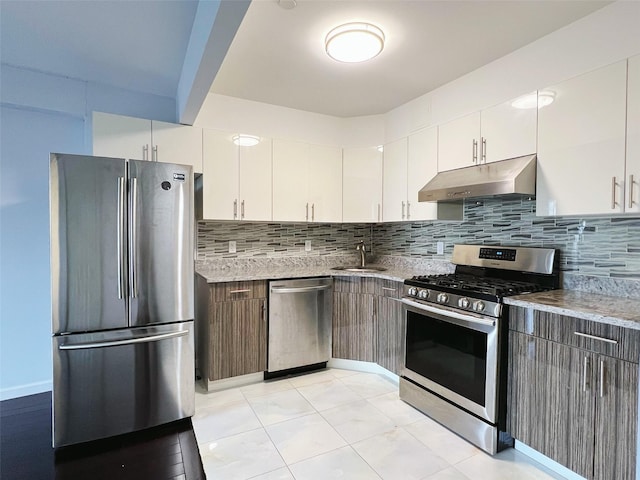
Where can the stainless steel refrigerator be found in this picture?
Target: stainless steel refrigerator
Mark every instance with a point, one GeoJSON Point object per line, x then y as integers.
{"type": "Point", "coordinates": [122, 242]}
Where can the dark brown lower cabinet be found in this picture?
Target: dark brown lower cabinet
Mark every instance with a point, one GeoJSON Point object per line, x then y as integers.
{"type": "Point", "coordinates": [576, 406]}
{"type": "Point", "coordinates": [390, 333]}
{"type": "Point", "coordinates": [353, 326]}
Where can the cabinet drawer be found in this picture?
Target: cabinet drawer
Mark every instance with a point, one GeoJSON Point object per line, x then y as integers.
{"type": "Point", "coordinates": [389, 288]}
{"type": "Point", "coordinates": [231, 291]}
{"type": "Point", "coordinates": [610, 340]}
{"type": "Point", "coordinates": [355, 284]}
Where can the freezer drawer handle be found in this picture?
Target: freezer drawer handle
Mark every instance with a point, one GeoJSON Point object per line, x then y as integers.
{"type": "Point", "coordinates": [299, 289]}
{"type": "Point", "coordinates": [131, 341]}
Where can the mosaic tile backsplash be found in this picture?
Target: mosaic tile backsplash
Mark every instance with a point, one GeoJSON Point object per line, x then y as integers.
{"type": "Point", "coordinates": [590, 246]}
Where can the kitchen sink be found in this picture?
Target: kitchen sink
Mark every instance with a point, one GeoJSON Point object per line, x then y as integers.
{"type": "Point", "coordinates": [368, 268]}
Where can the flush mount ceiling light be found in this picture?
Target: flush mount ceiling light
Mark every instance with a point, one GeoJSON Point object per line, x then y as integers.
{"type": "Point", "coordinates": [354, 42]}
{"type": "Point", "coordinates": [533, 100]}
{"type": "Point", "coordinates": [245, 140]}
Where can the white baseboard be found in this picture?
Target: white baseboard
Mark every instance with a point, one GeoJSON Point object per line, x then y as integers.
{"type": "Point", "coordinates": [24, 390]}
{"type": "Point", "coordinates": [365, 367]}
{"type": "Point", "coordinates": [547, 462]}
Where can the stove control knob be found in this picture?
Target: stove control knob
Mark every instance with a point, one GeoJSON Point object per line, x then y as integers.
{"type": "Point", "coordinates": [412, 292]}
{"type": "Point", "coordinates": [464, 302]}
{"type": "Point", "coordinates": [442, 298]}
{"type": "Point", "coordinates": [423, 294]}
{"type": "Point", "coordinates": [478, 306]}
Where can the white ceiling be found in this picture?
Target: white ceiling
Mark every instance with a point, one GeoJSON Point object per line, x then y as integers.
{"type": "Point", "coordinates": [277, 55]}
{"type": "Point", "coordinates": [138, 45]}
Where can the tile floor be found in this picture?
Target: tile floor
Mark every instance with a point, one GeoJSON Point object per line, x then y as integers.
{"type": "Point", "coordinates": [337, 424]}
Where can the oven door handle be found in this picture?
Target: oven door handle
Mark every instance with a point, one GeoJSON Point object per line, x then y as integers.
{"type": "Point", "coordinates": [450, 313]}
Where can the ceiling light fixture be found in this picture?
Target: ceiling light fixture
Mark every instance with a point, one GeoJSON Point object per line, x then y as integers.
{"type": "Point", "coordinates": [245, 140]}
{"type": "Point", "coordinates": [536, 99]}
{"type": "Point", "coordinates": [354, 42]}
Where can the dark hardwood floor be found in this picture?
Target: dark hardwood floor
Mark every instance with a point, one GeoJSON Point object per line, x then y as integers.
{"type": "Point", "coordinates": [161, 453]}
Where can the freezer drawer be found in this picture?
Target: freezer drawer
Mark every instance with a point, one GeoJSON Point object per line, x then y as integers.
{"type": "Point", "coordinates": [300, 314]}
{"type": "Point", "coordinates": [115, 382]}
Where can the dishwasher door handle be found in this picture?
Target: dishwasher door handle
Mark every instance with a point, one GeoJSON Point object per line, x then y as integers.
{"type": "Point", "coordinates": [313, 288]}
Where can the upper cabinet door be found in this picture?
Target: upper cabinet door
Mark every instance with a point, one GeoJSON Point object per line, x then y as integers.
{"type": "Point", "coordinates": [220, 177]}
{"type": "Point", "coordinates": [422, 166]}
{"type": "Point", "coordinates": [362, 185]}
{"type": "Point", "coordinates": [324, 182]}
{"type": "Point", "coordinates": [394, 181]}
{"type": "Point", "coordinates": [632, 178]}
{"type": "Point", "coordinates": [255, 181]}
{"type": "Point", "coordinates": [507, 132]}
{"type": "Point", "coordinates": [121, 137]}
{"type": "Point", "coordinates": [174, 143]}
{"type": "Point", "coordinates": [459, 143]}
{"type": "Point", "coordinates": [290, 202]}
{"type": "Point", "coordinates": [581, 145]}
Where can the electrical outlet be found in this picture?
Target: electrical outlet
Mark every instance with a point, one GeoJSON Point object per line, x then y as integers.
{"type": "Point", "coordinates": [307, 245]}
{"type": "Point", "coordinates": [440, 248]}
{"type": "Point", "coordinates": [232, 246]}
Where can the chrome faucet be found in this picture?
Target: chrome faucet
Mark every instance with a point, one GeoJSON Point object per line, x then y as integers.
{"type": "Point", "coordinates": [362, 248]}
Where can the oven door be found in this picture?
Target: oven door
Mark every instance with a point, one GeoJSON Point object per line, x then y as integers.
{"type": "Point", "coordinates": [454, 355]}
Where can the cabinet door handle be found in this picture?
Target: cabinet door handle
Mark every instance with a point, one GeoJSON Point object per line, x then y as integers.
{"type": "Point", "coordinates": [474, 151]}
{"type": "Point", "coordinates": [154, 154]}
{"type": "Point", "coordinates": [244, 290]}
{"type": "Point", "coordinates": [242, 210]}
{"type": "Point", "coordinates": [235, 209]}
{"type": "Point", "coordinates": [613, 193]}
{"type": "Point", "coordinates": [630, 191]}
{"type": "Point", "coordinates": [584, 374]}
{"type": "Point", "coordinates": [593, 337]}
{"type": "Point", "coordinates": [402, 210]}
{"type": "Point", "coordinates": [264, 310]}
{"type": "Point", "coordinates": [378, 212]}
{"type": "Point", "coordinates": [307, 214]}
{"type": "Point", "coordinates": [601, 378]}
{"type": "Point", "coordinates": [408, 210]}
{"type": "Point", "coordinates": [313, 212]}
{"type": "Point", "coordinates": [145, 152]}
{"type": "Point", "coordinates": [484, 150]}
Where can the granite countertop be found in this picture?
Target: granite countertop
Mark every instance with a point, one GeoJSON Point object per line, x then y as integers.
{"type": "Point", "coordinates": [621, 311]}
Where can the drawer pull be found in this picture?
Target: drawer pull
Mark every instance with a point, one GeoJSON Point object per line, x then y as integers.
{"type": "Point", "coordinates": [246, 290]}
{"type": "Point", "coordinates": [593, 337]}
{"type": "Point", "coordinates": [389, 289]}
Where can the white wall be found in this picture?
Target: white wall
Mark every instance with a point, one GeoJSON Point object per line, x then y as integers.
{"type": "Point", "coordinates": [39, 114]}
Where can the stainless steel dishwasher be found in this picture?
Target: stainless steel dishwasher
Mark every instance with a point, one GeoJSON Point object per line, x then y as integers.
{"type": "Point", "coordinates": [300, 314]}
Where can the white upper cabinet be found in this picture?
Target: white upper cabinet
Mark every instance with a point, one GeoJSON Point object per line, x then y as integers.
{"type": "Point", "coordinates": [422, 166]}
{"type": "Point", "coordinates": [581, 145]}
{"type": "Point", "coordinates": [236, 181]}
{"type": "Point", "coordinates": [507, 131]}
{"type": "Point", "coordinates": [307, 182]}
{"type": "Point", "coordinates": [459, 142]}
{"type": "Point", "coordinates": [394, 181]}
{"type": "Point", "coordinates": [324, 183]}
{"type": "Point", "coordinates": [362, 185]}
{"type": "Point", "coordinates": [496, 133]}
{"type": "Point", "coordinates": [632, 177]}
{"type": "Point", "coordinates": [121, 137]}
{"type": "Point", "coordinates": [140, 139]}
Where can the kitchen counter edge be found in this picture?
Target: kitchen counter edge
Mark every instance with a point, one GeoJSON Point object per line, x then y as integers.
{"type": "Point", "coordinates": [620, 311]}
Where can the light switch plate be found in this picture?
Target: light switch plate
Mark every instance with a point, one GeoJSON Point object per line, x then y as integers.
{"type": "Point", "coordinates": [307, 245]}
{"type": "Point", "coordinates": [232, 246]}
{"type": "Point", "coordinates": [440, 248]}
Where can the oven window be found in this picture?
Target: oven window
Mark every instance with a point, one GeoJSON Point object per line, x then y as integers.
{"type": "Point", "coordinates": [452, 356]}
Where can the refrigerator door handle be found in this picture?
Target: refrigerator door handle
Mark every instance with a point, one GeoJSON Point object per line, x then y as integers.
{"type": "Point", "coordinates": [133, 232]}
{"type": "Point", "coordinates": [120, 234]}
{"type": "Point", "coordinates": [129, 341]}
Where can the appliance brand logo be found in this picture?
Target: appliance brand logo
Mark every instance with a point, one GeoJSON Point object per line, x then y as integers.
{"type": "Point", "coordinates": [178, 176]}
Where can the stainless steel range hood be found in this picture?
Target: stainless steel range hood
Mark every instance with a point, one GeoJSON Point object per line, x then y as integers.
{"type": "Point", "coordinates": [506, 177]}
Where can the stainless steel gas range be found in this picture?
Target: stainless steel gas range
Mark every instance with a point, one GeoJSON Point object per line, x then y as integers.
{"type": "Point", "coordinates": [456, 337]}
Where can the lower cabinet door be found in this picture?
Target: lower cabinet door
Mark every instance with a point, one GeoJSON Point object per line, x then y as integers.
{"type": "Point", "coordinates": [353, 326]}
{"type": "Point", "coordinates": [552, 400]}
{"type": "Point", "coordinates": [616, 419]}
{"type": "Point", "coordinates": [238, 338]}
{"type": "Point", "coordinates": [390, 334]}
